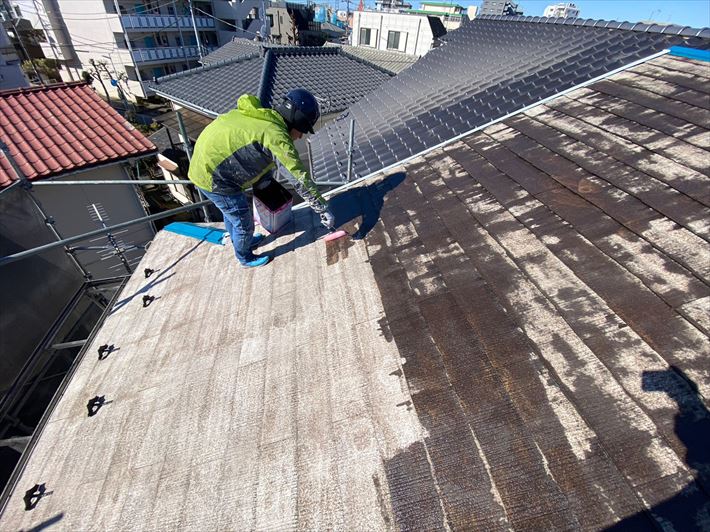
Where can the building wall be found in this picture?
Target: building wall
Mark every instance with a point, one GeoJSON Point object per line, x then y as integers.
{"type": "Point", "coordinates": [562, 10]}
{"type": "Point", "coordinates": [70, 206]}
{"type": "Point", "coordinates": [416, 37]}
{"type": "Point", "coordinates": [34, 290]}
{"type": "Point", "coordinates": [96, 32]}
{"type": "Point", "coordinates": [11, 75]}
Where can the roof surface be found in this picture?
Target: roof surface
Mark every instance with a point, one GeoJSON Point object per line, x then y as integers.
{"type": "Point", "coordinates": [337, 79]}
{"type": "Point", "coordinates": [520, 340]}
{"type": "Point", "coordinates": [237, 47]}
{"type": "Point", "coordinates": [486, 69]}
{"type": "Point", "coordinates": [59, 129]}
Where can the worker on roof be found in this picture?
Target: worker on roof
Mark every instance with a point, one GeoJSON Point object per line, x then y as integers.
{"type": "Point", "coordinates": [238, 150]}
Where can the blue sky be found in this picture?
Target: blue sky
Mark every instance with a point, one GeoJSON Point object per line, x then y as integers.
{"type": "Point", "coordinates": [694, 13]}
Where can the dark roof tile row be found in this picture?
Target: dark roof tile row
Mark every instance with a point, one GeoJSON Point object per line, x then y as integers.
{"type": "Point", "coordinates": [488, 68]}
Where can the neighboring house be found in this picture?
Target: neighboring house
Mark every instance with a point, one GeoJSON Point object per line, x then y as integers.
{"type": "Point", "coordinates": [409, 33]}
{"type": "Point", "coordinates": [452, 15]}
{"type": "Point", "coordinates": [293, 24]}
{"type": "Point", "coordinates": [515, 338]}
{"type": "Point", "coordinates": [411, 112]}
{"type": "Point", "coordinates": [562, 10]}
{"type": "Point", "coordinates": [391, 5]}
{"type": "Point", "coordinates": [143, 40]}
{"type": "Point", "coordinates": [11, 74]}
{"type": "Point", "coordinates": [500, 7]}
{"type": "Point", "coordinates": [67, 133]}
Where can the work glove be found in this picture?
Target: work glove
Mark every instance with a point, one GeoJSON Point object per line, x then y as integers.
{"type": "Point", "coordinates": [327, 219]}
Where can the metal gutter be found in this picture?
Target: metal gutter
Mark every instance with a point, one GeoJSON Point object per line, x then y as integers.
{"type": "Point", "coordinates": [345, 186]}
{"type": "Point", "coordinates": [187, 105]}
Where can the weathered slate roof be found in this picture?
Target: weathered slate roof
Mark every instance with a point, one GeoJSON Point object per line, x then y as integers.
{"type": "Point", "coordinates": [488, 68]}
{"type": "Point", "coordinates": [520, 340]}
{"type": "Point", "coordinates": [394, 62]}
{"type": "Point", "coordinates": [336, 78]}
{"type": "Point", "coordinates": [237, 47]}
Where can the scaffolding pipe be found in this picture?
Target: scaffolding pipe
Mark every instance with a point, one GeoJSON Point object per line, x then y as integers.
{"type": "Point", "coordinates": [116, 182]}
{"type": "Point", "coordinates": [48, 221]}
{"type": "Point", "coordinates": [188, 151]}
{"type": "Point", "coordinates": [34, 251]}
{"type": "Point", "coordinates": [351, 140]}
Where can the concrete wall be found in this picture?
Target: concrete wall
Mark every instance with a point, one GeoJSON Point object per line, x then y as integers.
{"type": "Point", "coordinates": [415, 38]}
{"type": "Point", "coordinates": [71, 208]}
{"type": "Point", "coordinates": [33, 291]}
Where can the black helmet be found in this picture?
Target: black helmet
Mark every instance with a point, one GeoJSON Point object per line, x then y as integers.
{"type": "Point", "coordinates": [300, 110]}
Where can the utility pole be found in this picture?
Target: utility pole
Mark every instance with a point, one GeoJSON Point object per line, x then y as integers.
{"type": "Point", "coordinates": [188, 151]}
{"type": "Point", "coordinates": [130, 48]}
{"type": "Point", "coordinates": [182, 39]}
{"type": "Point", "coordinates": [265, 26]}
{"type": "Point", "coordinates": [194, 26]}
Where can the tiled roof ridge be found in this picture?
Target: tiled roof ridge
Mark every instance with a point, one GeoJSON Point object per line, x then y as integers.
{"type": "Point", "coordinates": [40, 88]}
{"type": "Point", "coordinates": [208, 66]}
{"type": "Point", "coordinates": [354, 57]}
{"type": "Point", "coordinates": [669, 29]}
{"type": "Point", "coordinates": [302, 50]}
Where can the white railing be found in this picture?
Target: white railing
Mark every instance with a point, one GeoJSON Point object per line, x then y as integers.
{"type": "Point", "coordinates": [153, 22]}
{"type": "Point", "coordinates": [168, 53]}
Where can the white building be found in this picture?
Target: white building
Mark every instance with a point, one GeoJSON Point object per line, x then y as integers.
{"type": "Point", "coordinates": [410, 33]}
{"type": "Point", "coordinates": [451, 15]}
{"type": "Point", "coordinates": [136, 40]}
{"type": "Point", "coordinates": [562, 10]}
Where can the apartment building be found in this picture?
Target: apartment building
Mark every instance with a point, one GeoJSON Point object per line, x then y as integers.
{"type": "Point", "coordinates": [562, 10]}
{"type": "Point", "coordinates": [451, 15]}
{"type": "Point", "coordinates": [500, 7]}
{"type": "Point", "coordinates": [136, 41]}
{"type": "Point", "coordinates": [410, 33]}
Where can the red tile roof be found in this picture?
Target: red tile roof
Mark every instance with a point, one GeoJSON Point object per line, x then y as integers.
{"type": "Point", "coordinates": [58, 129]}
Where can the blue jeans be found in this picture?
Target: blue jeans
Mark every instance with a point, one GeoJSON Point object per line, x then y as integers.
{"type": "Point", "coordinates": [238, 221]}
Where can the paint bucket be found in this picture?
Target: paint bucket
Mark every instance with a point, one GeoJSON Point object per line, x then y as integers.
{"type": "Point", "coordinates": [272, 205]}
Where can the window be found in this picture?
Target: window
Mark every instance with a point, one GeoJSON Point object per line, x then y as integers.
{"type": "Point", "coordinates": [393, 40]}
{"type": "Point", "coordinates": [365, 36]}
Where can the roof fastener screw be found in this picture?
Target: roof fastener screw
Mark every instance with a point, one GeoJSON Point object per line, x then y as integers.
{"type": "Point", "coordinates": [33, 495]}
{"type": "Point", "coordinates": [105, 350]}
{"type": "Point", "coordinates": [95, 403]}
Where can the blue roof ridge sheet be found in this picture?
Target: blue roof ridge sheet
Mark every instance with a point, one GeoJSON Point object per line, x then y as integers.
{"type": "Point", "coordinates": [668, 29]}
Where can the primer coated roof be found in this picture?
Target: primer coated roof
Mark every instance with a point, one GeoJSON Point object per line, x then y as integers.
{"type": "Point", "coordinates": [515, 338]}
{"type": "Point", "coordinates": [58, 129]}
{"type": "Point", "coordinates": [486, 69]}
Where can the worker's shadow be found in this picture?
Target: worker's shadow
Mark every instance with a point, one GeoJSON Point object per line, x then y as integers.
{"type": "Point", "coordinates": [690, 506]}
{"type": "Point", "coordinates": [359, 202]}
{"type": "Point", "coordinates": [365, 202]}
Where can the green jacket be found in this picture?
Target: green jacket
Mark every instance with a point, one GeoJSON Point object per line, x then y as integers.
{"type": "Point", "coordinates": [239, 147]}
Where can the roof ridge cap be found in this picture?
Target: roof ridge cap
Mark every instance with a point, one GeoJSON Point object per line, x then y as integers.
{"type": "Point", "coordinates": [666, 29]}
{"type": "Point", "coordinates": [40, 88]}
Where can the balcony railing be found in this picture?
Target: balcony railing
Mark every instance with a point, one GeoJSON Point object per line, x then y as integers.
{"type": "Point", "coordinates": [168, 53]}
{"type": "Point", "coordinates": [155, 22]}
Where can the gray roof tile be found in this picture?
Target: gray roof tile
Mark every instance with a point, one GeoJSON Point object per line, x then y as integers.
{"type": "Point", "coordinates": [237, 47]}
{"type": "Point", "coordinates": [334, 77]}
{"type": "Point", "coordinates": [488, 68]}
